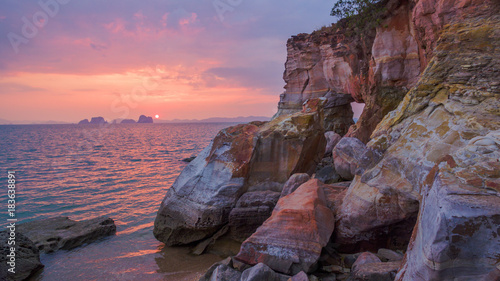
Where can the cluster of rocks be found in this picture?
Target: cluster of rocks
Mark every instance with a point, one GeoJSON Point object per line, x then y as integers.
{"type": "Point", "coordinates": [45, 236]}
{"type": "Point", "coordinates": [94, 120]}
{"type": "Point", "coordinates": [310, 203]}
{"type": "Point", "coordinates": [143, 119]}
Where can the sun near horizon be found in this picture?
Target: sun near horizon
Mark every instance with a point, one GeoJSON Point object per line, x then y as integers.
{"type": "Point", "coordinates": [184, 60]}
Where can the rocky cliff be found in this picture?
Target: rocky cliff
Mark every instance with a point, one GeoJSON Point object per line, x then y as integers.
{"type": "Point", "coordinates": [423, 157]}
{"type": "Point", "coordinates": [374, 66]}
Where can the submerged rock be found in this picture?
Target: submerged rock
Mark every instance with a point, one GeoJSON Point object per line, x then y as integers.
{"type": "Point", "coordinates": [291, 240]}
{"type": "Point", "coordinates": [52, 234]}
{"type": "Point", "coordinates": [189, 159]}
{"type": "Point", "coordinates": [26, 258]}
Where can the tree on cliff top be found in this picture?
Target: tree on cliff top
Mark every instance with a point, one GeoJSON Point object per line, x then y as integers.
{"type": "Point", "coordinates": [359, 13]}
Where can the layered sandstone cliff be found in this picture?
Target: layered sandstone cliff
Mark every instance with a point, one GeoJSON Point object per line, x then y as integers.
{"type": "Point", "coordinates": [425, 171]}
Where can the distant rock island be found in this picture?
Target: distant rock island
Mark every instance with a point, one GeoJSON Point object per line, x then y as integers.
{"type": "Point", "coordinates": [95, 120]}
{"type": "Point", "coordinates": [239, 119]}
{"type": "Point", "coordinates": [128, 121]}
{"type": "Point", "coordinates": [145, 119]}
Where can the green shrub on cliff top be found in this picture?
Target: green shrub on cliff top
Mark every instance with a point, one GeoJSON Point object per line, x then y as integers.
{"type": "Point", "coordinates": [359, 14]}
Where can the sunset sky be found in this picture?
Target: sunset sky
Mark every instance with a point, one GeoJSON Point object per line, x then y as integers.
{"type": "Point", "coordinates": [119, 59]}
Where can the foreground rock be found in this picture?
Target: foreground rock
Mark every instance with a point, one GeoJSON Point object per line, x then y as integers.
{"type": "Point", "coordinates": [244, 158]}
{"type": "Point", "coordinates": [440, 159]}
{"type": "Point", "coordinates": [62, 233]}
{"type": "Point", "coordinates": [291, 240]}
{"type": "Point", "coordinates": [26, 260]}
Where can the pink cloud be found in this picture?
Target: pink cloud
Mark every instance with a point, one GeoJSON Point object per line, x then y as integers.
{"type": "Point", "coordinates": [189, 20]}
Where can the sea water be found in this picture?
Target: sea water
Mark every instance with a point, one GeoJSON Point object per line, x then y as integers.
{"type": "Point", "coordinates": [122, 171]}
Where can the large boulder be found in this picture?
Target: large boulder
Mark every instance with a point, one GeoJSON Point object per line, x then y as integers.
{"type": "Point", "coordinates": [251, 210]}
{"type": "Point", "coordinates": [243, 158]}
{"type": "Point", "coordinates": [440, 152]}
{"type": "Point", "coordinates": [201, 198]}
{"type": "Point", "coordinates": [347, 156]}
{"type": "Point", "coordinates": [294, 182]}
{"type": "Point", "coordinates": [63, 233]}
{"type": "Point", "coordinates": [291, 240]}
{"type": "Point", "coordinates": [19, 264]}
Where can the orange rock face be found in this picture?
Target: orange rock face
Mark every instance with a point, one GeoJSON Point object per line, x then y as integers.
{"type": "Point", "coordinates": [291, 240]}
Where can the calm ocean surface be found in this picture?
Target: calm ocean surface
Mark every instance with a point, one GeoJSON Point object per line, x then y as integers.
{"type": "Point", "coordinates": [121, 171]}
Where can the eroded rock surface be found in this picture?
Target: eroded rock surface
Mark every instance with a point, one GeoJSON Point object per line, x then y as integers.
{"type": "Point", "coordinates": [440, 160]}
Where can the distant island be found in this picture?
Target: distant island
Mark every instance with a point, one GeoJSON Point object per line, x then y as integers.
{"type": "Point", "coordinates": [95, 121]}
{"type": "Point", "coordinates": [100, 120]}
{"type": "Point", "coordinates": [145, 119]}
{"type": "Point", "coordinates": [239, 119]}
{"type": "Point", "coordinates": [127, 121]}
